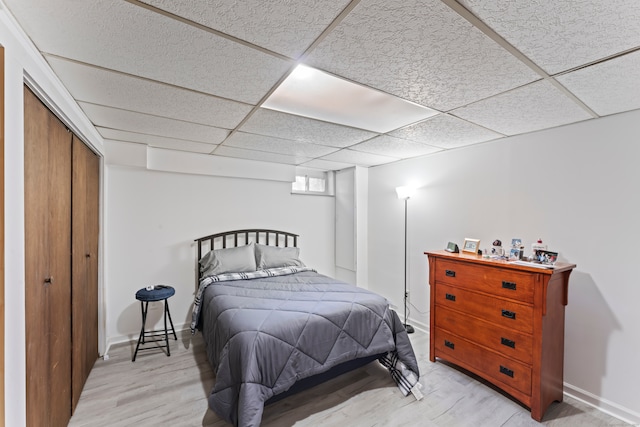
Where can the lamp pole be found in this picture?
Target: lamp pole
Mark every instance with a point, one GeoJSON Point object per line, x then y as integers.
{"type": "Point", "coordinates": [407, 327]}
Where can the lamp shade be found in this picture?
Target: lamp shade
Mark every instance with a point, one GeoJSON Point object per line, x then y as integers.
{"type": "Point", "coordinates": [405, 192]}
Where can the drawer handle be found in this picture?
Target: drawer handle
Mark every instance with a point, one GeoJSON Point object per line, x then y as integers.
{"type": "Point", "coordinates": [450, 297]}
{"type": "Point", "coordinates": [507, 342]}
{"type": "Point", "coordinates": [508, 372]}
{"type": "Point", "coordinates": [509, 285]}
{"type": "Point", "coordinates": [509, 314]}
{"type": "Point", "coordinates": [450, 273]}
{"type": "Point", "coordinates": [449, 344]}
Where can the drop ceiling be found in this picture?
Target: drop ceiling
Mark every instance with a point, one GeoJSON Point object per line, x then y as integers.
{"type": "Point", "coordinates": [193, 75]}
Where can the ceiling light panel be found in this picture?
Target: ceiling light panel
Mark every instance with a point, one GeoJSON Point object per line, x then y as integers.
{"type": "Point", "coordinates": [419, 50]}
{"type": "Point", "coordinates": [134, 40]}
{"type": "Point", "coordinates": [446, 131]}
{"type": "Point", "coordinates": [395, 147]}
{"type": "Point", "coordinates": [288, 126]}
{"type": "Point", "coordinates": [609, 87]}
{"type": "Point", "coordinates": [113, 89]}
{"type": "Point", "coordinates": [276, 145]}
{"type": "Point", "coordinates": [312, 93]}
{"type": "Point", "coordinates": [287, 27]}
{"type": "Point", "coordinates": [144, 123]}
{"type": "Point", "coordinates": [241, 153]}
{"type": "Point", "coordinates": [358, 158]}
{"type": "Point", "coordinates": [560, 35]}
{"type": "Point", "coordinates": [155, 141]}
{"type": "Point", "coordinates": [533, 107]}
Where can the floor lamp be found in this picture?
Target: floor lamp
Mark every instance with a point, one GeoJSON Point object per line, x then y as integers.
{"type": "Point", "coordinates": [405, 193]}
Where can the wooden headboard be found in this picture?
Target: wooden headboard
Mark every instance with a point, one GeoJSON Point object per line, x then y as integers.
{"type": "Point", "coordinates": [231, 239]}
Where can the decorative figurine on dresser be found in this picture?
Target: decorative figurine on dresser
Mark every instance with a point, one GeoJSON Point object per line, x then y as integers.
{"type": "Point", "coordinates": [502, 321]}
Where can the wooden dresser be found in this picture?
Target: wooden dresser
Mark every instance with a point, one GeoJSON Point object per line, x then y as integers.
{"type": "Point", "coordinates": [502, 322]}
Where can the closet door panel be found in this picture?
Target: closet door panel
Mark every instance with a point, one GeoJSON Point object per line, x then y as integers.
{"type": "Point", "coordinates": [59, 289]}
{"type": "Point", "coordinates": [85, 190]}
{"type": "Point", "coordinates": [36, 260]}
{"type": "Point", "coordinates": [48, 270]}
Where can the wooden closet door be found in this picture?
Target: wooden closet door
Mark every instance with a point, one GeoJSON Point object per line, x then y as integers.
{"type": "Point", "coordinates": [47, 149]}
{"type": "Point", "coordinates": [84, 291]}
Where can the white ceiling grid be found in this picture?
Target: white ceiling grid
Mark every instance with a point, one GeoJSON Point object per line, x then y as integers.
{"type": "Point", "coordinates": [297, 128]}
{"type": "Point", "coordinates": [155, 141]}
{"type": "Point", "coordinates": [126, 92]}
{"type": "Point", "coordinates": [419, 50]}
{"type": "Point", "coordinates": [191, 75]}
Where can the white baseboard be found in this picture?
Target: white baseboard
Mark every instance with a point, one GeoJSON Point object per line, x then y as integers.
{"type": "Point", "coordinates": [418, 325]}
{"type": "Point", "coordinates": [133, 337]}
{"type": "Point", "coordinates": [610, 408]}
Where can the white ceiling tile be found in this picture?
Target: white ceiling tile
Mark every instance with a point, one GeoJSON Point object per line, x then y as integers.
{"type": "Point", "coordinates": [156, 141]}
{"type": "Point", "coordinates": [326, 165]}
{"type": "Point", "coordinates": [419, 50]}
{"type": "Point", "coordinates": [129, 38]}
{"type": "Point", "coordinates": [288, 126]}
{"type": "Point", "coordinates": [559, 35]}
{"type": "Point", "coordinates": [446, 131]}
{"type": "Point", "coordinates": [533, 107]}
{"type": "Point", "coordinates": [358, 158]}
{"type": "Point", "coordinates": [609, 87]}
{"type": "Point", "coordinates": [286, 27]}
{"type": "Point", "coordinates": [113, 89]}
{"type": "Point", "coordinates": [276, 145]}
{"type": "Point", "coordinates": [143, 123]}
{"type": "Point", "coordinates": [242, 153]}
{"type": "Point", "coordinates": [394, 147]}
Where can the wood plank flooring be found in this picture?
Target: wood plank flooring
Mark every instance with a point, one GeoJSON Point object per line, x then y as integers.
{"type": "Point", "coordinates": [157, 390]}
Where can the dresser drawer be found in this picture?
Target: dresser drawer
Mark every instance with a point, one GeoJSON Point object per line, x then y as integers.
{"type": "Point", "coordinates": [505, 313]}
{"type": "Point", "coordinates": [507, 342]}
{"type": "Point", "coordinates": [495, 368]}
{"type": "Point", "coordinates": [493, 280]}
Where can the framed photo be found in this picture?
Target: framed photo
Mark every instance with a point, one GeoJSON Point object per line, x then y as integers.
{"type": "Point", "coordinates": [546, 257]}
{"type": "Point", "coordinates": [471, 246]}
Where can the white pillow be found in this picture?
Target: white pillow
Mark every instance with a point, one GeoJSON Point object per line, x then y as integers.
{"type": "Point", "coordinates": [273, 257]}
{"type": "Point", "coordinates": [228, 260]}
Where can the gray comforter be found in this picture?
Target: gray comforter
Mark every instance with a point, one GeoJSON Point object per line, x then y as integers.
{"type": "Point", "coordinates": [264, 334]}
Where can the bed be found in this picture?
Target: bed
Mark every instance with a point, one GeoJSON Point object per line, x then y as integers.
{"type": "Point", "coordinates": [273, 326]}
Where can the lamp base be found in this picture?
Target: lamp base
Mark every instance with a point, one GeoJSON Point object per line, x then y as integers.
{"type": "Point", "coordinates": [409, 328]}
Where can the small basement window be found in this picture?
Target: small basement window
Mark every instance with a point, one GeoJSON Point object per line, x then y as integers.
{"type": "Point", "coordinates": [317, 184]}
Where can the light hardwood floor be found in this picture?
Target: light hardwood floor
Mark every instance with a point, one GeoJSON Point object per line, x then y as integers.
{"type": "Point", "coordinates": [157, 390]}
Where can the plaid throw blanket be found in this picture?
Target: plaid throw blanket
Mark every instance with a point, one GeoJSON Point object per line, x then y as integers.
{"type": "Point", "coordinates": [406, 379]}
{"type": "Point", "coordinates": [272, 272]}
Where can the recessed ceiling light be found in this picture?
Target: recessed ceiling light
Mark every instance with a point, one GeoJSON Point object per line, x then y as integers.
{"type": "Point", "coordinates": [318, 95]}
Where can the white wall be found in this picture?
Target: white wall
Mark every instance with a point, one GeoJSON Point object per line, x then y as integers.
{"type": "Point", "coordinates": [576, 188]}
{"type": "Point", "coordinates": [345, 226]}
{"type": "Point", "coordinates": [153, 217]}
{"type": "Point", "coordinates": [352, 218]}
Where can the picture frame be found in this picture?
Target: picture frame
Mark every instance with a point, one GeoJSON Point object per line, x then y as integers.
{"type": "Point", "coordinates": [471, 246]}
{"type": "Point", "coordinates": [452, 247]}
{"type": "Point", "coordinates": [546, 257]}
